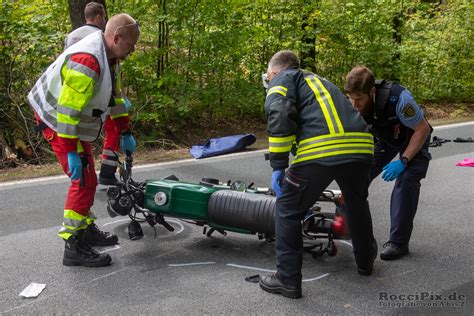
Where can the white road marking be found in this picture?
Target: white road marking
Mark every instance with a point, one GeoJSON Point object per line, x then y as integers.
{"type": "Point", "coordinates": [272, 271]}
{"type": "Point", "coordinates": [345, 242]}
{"type": "Point", "coordinates": [249, 268]}
{"type": "Point", "coordinates": [178, 162]}
{"type": "Point", "coordinates": [452, 125]}
{"type": "Point", "coordinates": [190, 264]}
{"type": "Point", "coordinates": [316, 278]}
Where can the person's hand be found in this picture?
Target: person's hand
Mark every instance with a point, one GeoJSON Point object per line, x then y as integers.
{"type": "Point", "coordinates": [393, 170]}
{"type": "Point", "coordinates": [75, 165]}
{"type": "Point", "coordinates": [127, 142]}
{"type": "Point", "coordinates": [277, 179]}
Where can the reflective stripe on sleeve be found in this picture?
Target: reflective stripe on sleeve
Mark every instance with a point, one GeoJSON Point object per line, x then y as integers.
{"type": "Point", "coordinates": [277, 89]}
{"type": "Point", "coordinates": [280, 144]}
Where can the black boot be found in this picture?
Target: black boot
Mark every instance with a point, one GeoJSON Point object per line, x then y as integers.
{"type": "Point", "coordinates": [93, 236]}
{"type": "Point", "coordinates": [78, 253]}
{"type": "Point", "coordinates": [107, 175]}
{"type": "Point", "coordinates": [367, 270]}
{"type": "Point", "coordinates": [271, 284]}
{"type": "Point", "coordinates": [393, 250]}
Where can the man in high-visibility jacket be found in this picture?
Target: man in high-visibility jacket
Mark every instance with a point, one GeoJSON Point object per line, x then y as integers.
{"type": "Point", "coordinates": [333, 143]}
{"type": "Point", "coordinates": [95, 20]}
{"type": "Point", "coordinates": [71, 101]}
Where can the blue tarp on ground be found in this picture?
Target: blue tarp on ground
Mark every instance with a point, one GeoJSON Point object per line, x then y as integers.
{"type": "Point", "coordinates": [222, 145]}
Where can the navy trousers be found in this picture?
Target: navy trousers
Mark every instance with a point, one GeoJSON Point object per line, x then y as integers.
{"type": "Point", "coordinates": [405, 193]}
{"type": "Point", "coordinates": [302, 185]}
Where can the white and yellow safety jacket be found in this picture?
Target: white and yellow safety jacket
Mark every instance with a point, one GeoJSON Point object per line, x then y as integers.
{"type": "Point", "coordinates": [74, 98]}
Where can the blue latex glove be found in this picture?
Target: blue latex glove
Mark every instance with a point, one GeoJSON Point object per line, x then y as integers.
{"type": "Point", "coordinates": [128, 105]}
{"type": "Point", "coordinates": [75, 165]}
{"type": "Point", "coordinates": [393, 170]}
{"type": "Point", "coordinates": [128, 143]}
{"type": "Point", "coordinates": [277, 179]}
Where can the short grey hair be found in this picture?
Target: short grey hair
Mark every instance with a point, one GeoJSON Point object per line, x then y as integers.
{"type": "Point", "coordinates": [284, 59]}
{"type": "Point", "coordinates": [93, 9]}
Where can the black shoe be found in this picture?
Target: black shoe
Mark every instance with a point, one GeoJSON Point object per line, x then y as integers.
{"type": "Point", "coordinates": [393, 250]}
{"type": "Point", "coordinates": [78, 253]}
{"type": "Point", "coordinates": [109, 180]}
{"type": "Point", "coordinates": [367, 270]}
{"type": "Point", "coordinates": [271, 284]}
{"type": "Point", "coordinates": [93, 236]}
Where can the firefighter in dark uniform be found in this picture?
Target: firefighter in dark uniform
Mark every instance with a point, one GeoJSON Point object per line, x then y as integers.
{"type": "Point", "coordinates": [400, 128]}
{"type": "Point", "coordinates": [333, 143]}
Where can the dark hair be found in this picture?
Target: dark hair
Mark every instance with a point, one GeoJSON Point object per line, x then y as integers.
{"type": "Point", "coordinates": [93, 9]}
{"type": "Point", "coordinates": [360, 79]}
{"type": "Point", "coordinates": [284, 59]}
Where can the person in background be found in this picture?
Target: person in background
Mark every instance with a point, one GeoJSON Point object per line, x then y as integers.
{"type": "Point", "coordinates": [400, 128]}
{"type": "Point", "coordinates": [95, 21]}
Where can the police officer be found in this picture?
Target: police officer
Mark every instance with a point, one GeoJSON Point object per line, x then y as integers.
{"type": "Point", "coordinates": [400, 128]}
{"type": "Point", "coordinates": [333, 143]}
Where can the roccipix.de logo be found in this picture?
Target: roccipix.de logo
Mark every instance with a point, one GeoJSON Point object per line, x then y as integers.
{"type": "Point", "coordinates": [427, 299]}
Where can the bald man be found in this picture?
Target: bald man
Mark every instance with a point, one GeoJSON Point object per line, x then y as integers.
{"type": "Point", "coordinates": [71, 100]}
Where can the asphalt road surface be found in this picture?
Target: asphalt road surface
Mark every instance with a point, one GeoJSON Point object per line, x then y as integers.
{"type": "Point", "coordinates": [185, 272]}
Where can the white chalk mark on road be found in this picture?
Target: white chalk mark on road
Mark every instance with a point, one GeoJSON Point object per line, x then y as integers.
{"type": "Point", "coordinates": [249, 268]}
{"type": "Point", "coordinates": [190, 264]}
{"type": "Point", "coordinates": [316, 278]}
{"type": "Point", "coordinates": [181, 226]}
{"type": "Point", "coordinates": [345, 242]}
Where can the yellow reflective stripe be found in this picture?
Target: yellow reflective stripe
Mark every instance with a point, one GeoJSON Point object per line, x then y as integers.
{"type": "Point", "coordinates": [335, 153]}
{"type": "Point", "coordinates": [73, 215]}
{"type": "Point", "coordinates": [334, 150]}
{"type": "Point", "coordinates": [67, 136]}
{"type": "Point", "coordinates": [284, 139]}
{"type": "Point", "coordinates": [76, 91]}
{"type": "Point", "coordinates": [119, 100]}
{"type": "Point", "coordinates": [278, 89]}
{"type": "Point", "coordinates": [75, 228]}
{"type": "Point", "coordinates": [284, 149]}
{"type": "Point", "coordinates": [354, 134]}
{"type": "Point", "coordinates": [325, 140]}
{"type": "Point", "coordinates": [80, 149]}
{"type": "Point", "coordinates": [64, 235]}
{"type": "Point", "coordinates": [119, 115]}
{"type": "Point", "coordinates": [280, 144]}
{"type": "Point", "coordinates": [329, 147]}
{"type": "Point", "coordinates": [67, 119]}
{"type": "Point", "coordinates": [322, 105]}
{"type": "Point", "coordinates": [331, 104]}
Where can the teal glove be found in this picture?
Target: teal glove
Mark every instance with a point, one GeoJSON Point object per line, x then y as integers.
{"type": "Point", "coordinates": [75, 165]}
{"type": "Point", "coordinates": [393, 170]}
{"type": "Point", "coordinates": [277, 179]}
{"type": "Point", "coordinates": [128, 104]}
{"type": "Point", "coordinates": [127, 142]}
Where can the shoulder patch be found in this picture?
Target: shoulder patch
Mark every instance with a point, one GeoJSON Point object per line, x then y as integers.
{"type": "Point", "coordinates": [409, 110]}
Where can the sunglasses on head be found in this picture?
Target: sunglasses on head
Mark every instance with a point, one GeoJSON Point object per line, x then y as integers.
{"type": "Point", "coordinates": [135, 24]}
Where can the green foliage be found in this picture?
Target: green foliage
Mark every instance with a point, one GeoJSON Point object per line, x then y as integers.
{"type": "Point", "coordinates": [202, 59]}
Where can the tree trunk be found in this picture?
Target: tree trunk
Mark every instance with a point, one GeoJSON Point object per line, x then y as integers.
{"type": "Point", "coordinates": [76, 11]}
